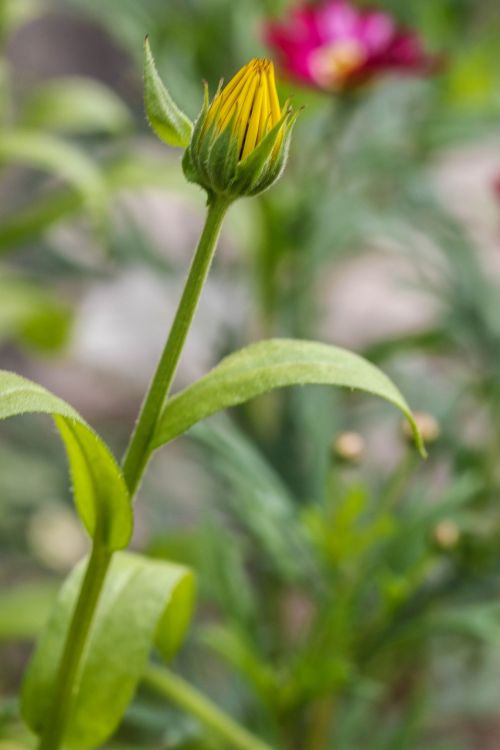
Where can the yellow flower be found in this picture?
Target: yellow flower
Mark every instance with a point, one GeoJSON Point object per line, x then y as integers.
{"type": "Point", "coordinates": [240, 141]}
{"type": "Point", "coordinates": [249, 104]}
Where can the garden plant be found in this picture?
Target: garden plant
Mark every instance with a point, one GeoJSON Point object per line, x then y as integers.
{"type": "Point", "coordinates": [306, 606]}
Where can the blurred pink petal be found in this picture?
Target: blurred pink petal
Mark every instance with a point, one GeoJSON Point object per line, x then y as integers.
{"type": "Point", "coordinates": [335, 45]}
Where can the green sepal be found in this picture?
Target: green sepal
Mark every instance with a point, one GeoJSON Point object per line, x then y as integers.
{"type": "Point", "coordinates": [188, 167]}
{"type": "Point", "coordinates": [223, 159]}
{"type": "Point", "coordinates": [269, 176]}
{"type": "Point", "coordinates": [260, 163]}
{"type": "Point", "coordinates": [200, 120]}
{"type": "Point", "coordinates": [191, 160]}
{"type": "Point", "coordinates": [201, 155]}
{"type": "Point", "coordinates": [169, 123]}
{"type": "Point", "coordinates": [193, 163]}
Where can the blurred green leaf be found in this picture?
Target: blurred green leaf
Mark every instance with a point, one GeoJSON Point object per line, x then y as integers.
{"type": "Point", "coordinates": [241, 653]}
{"type": "Point", "coordinates": [481, 621]}
{"type": "Point", "coordinates": [143, 601]}
{"type": "Point", "coordinates": [15, 13]}
{"type": "Point", "coordinates": [271, 364]}
{"type": "Point", "coordinates": [32, 315]}
{"type": "Point", "coordinates": [54, 155]}
{"type": "Point", "coordinates": [169, 123]}
{"type": "Point", "coordinates": [345, 530]}
{"type": "Point", "coordinates": [101, 496]}
{"type": "Point", "coordinates": [76, 105]}
{"type": "Point", "coordinates": [135, 172]}
{"type": "Point", "coordinates": [473, 81]}
{"type": "Point", "coordinates": [24, 610]}
{"type": "Point", "coordinates": [258, 499]}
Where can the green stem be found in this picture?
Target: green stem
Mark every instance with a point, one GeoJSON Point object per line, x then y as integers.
{"type": "Point", "coordinates": [134, 463]}
{"type": "Point", "coordinates": [60, 704]}
{"type": "Point", "coordinates": [399, 482]}
{"type": "Point", "coordinates": [321, 723]}
{"type": "Point", "coordinates": [137, 453]}
{"type": "Point", "coordinates": [179, 691]}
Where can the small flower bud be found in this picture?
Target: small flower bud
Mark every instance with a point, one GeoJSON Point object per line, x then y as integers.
{"type": "Point", "coordinates": [446, 534]}
{"type": "Point", "coordinates": [428, 427]}
{"type": "Point", "coordinates": [349, 447]}
{"type": "Point", "coordinates": [240, 141]}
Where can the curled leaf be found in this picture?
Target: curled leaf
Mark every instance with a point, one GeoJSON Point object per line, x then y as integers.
{"type": "Point", "coordinates": [101, 496]}
{"type": "Point", "coordinates": [276, 363]}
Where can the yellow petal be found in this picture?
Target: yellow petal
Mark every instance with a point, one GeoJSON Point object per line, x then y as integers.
{"type": "Point", "coordinates": [273, 96]}
{"type": "Point", "coordinates": [250, 102]}
{"type": "Point", "coordinates": [231, 94]}
{"type": "Point", "coordinates": [254, 119]}
{"type": "Point", "coordinates": [246, 102]}
{"type": "Point", "coordinates": [265, 111]}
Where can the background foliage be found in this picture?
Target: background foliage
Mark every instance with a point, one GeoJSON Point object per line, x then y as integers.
{"type": "Point", "coordinates": [360, 590]}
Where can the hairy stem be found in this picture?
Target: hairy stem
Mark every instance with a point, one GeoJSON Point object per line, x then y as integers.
{"type": "Point", "coordinates": [79, 628]}
{"type": "Point", "coordinates": [183, 694]}
{"type": "Point", "coordinates": [137, 453]}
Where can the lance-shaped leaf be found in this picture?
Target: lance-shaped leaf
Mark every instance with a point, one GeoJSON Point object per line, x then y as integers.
{"type": "Point", "coordinates": [101, 496]}
{"type": "Point", "coordinates": [169, 123]}
{"type": "Point", "coordinates": [273, 364]}
{"type": "Point", "coordinates": [143, 602]}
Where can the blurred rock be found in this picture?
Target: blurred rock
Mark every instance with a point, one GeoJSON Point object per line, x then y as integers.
{"type": "Point", "coordinates": [372, 296]}
{"type": "Point", "coordinates": [57, 43]}
{"type": "Point", "coordinates": [465, 177]}
{"type": "Point", "coordinates": [122, 325]}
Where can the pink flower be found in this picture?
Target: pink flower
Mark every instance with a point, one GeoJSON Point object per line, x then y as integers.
{"type": "Point", "coordinates": [334, 46]}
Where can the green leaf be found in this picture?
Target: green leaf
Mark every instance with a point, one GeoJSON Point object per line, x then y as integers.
{"type": "Point", "coordinates": [101, 496]}
{"type": "Point", "coordinates": [261, 367]}
{"type": "Point", "coordinates": [76, 105]}
{"type": "Point", "coordinates": [169, 123]}
{"type": "Point", "coordinates": [143, 601]}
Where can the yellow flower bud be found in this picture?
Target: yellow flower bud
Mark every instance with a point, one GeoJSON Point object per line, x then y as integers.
{"type": "Point", "coordinates": [249, 105]}
{"type": "Point", "coordinates": [240, 140]}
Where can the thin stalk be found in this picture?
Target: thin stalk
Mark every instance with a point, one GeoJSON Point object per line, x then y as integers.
{"type": "Point", "coordinates": [60, 705]}
{"type": "Point", "coordinates": [137, 453]}
{"type": "Point", "coordinates": [399, 482]}
{"type": "Point", "coordinates": [134, 463]}
{"type": "Point", "coordinates": [177, 690]}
